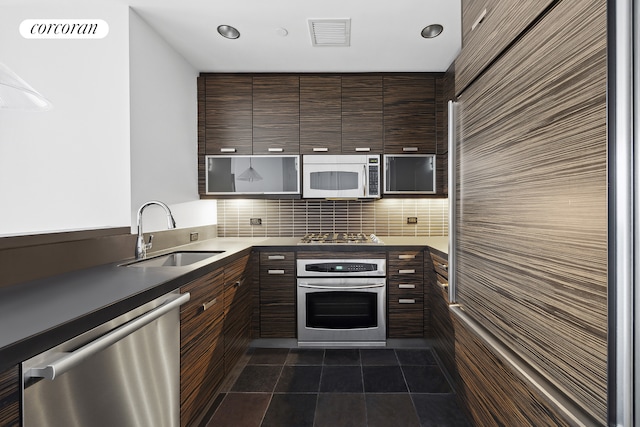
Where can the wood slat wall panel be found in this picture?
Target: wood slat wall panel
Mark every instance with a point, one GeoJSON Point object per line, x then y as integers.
{"type": "Point", "coordinates": [492, 393]}
{"type": "Point", "coordinates": [532, 221]}
{"type": "Point", "coordinates": [503, 22]}
{"type": "Point", "coordinates": [10, 397]}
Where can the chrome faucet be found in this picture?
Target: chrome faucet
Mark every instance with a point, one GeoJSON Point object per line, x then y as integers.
{"type": "Point", "coordinates": [141, 246]}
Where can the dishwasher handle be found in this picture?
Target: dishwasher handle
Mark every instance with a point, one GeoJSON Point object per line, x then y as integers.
{"type": "Point", "coordinates": [62, 362]}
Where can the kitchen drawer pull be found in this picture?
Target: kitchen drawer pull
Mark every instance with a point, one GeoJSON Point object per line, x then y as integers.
{"type": "Point", "coordinates": [227, 150]}
{"type": "Point", "coordinates": [64, 361]}
{"type": "Point", "coordinates": [209, 304]}
{"type": "Point", "coordinates": [406, 286]}
{"type": "Point", "coordinates": [443, 285]}
{"type": "Point", "coordinates": [409, 149]}
{"type": "Point", "coordinates": [276, 257]}
{"type": "Point", "coordinates": [444, 266]}
{"type": "Point", "coordinates": [406, 256]}
{"type": "Point", "coordinates": [276, 150]}
{"type": "Point", "coordinates": [406, 301]}
{"type": "Point", "coordinates": [479, 20]}
{"type": "Point", "coordinates": [363, 149]}
{"type": "Point", "coordinates": [239, 283]}
{"type": "Point", "coordinates": [320, 149]}
{"type": "Point", "coordinates": [276, 271]}
{"type": "Point", "coordinates": [408, 271]}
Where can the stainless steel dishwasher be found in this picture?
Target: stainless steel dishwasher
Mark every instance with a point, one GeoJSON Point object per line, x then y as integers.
{"type": "Point", "coordinates": [122, 373]}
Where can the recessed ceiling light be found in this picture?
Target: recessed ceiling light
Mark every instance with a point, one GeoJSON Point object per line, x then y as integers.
{"type": "Point", "coordinates": [228, 31]}
{"type": "Point", "coordinates": [431, 31]}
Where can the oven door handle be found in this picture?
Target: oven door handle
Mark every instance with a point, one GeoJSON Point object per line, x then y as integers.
{"type": "Point", "coordinates": [340, 288]}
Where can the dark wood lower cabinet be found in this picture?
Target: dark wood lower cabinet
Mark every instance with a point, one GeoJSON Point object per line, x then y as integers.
{"type": "Point", "coordinates": [201, 345]}
{"type": "Point", "coordinates": [214, 333]}
{"type": "Point", "coordinates": [405, 296]}
{"type": "Point", "coordinates": [277, 295]}
{"type": "Point", "coordinates": [10, 397]}
{"type": "Point", "coordinates": [237, 309]}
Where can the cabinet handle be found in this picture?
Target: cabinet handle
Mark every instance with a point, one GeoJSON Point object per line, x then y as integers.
{"type": "Point", "coordinates": [409, 271]}
{"type": "Point", "coordinates": [276, 257]}
{"type": "Point", "coordinates": [276, 150]}
{"type": "Point", "coordinates": [406, 256]}
{"type": "Point", "coordinates": [276, 271]}
{"type": "Point", "coordinates": [209, 304]}
{"type": "Point", "coordinates": [239, 283]}
{"type": "Point", "coordinates": [227, 150]}
{"type": "Point", "coordinates": [320, 149]}
{"type": "Point", "coordinates": [479, 19]}
{"type": "Point", "coordinates": [443, 285]}
{"type": "Point", "coordinates": [409, 149]}
{"type": "Point", "coordinates": [406, 286]}
{"type": "Point", "coordinates": [406, 301]}
{"type": "Point", "coordinates": [363, 149]}
{"type": "Point", "coordinates": [443, 266]}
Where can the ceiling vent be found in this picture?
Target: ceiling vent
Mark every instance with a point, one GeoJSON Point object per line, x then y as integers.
{"type": "Point", "coordinates": [330, 32]}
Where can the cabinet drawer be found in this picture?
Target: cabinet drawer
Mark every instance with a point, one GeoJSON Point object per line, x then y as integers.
{"type": "Point", "coordinates": [407, 288]}
{"type": "Point", "coordinates": [277, 264]}
{"type": "Point", "coordinates": [405, 264]}
{"type": "Point", "coordinates": [406, 322]}
{"type": "Point", "coordinates": [405, 302]}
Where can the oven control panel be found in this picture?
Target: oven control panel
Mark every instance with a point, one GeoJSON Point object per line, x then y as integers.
{"type": "Point", "coordinates": [333, 267]}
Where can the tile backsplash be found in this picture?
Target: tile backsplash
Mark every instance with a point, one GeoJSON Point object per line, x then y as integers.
{"type": "Point", "coordinates": [293, 218]}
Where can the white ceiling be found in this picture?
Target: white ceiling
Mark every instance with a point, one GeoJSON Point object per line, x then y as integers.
{"type": "Point", "coordinates": [385, 35]}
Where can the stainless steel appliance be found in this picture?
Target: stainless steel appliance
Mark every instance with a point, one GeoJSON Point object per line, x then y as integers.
{"type": "Point", "coordinates": [409, 174]}
{"type": "Point", "coordinates": [266, 174]}
{"type": "Point", "coordinates": [349, 176]}
{"type": "Point", "coordinates": [122, 373]}
{"type": "Point", "coordinates": [341, 302]}
{"type": "Point", "coordinates": [331, 237]}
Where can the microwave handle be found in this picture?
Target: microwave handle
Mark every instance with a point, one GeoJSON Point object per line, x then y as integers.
{"type": "Point", "coordinates": [364, 180]}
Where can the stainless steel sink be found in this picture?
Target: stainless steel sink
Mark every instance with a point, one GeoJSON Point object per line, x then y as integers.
{"type": "Point", "coordinates": [174, 259]}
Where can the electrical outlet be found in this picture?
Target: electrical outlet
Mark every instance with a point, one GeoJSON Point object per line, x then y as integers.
{"type": "Point", "coordinates": [255, 221]}
{"type": "Point", "coordinates": [193, 236]}
{"type": "Point", "coordinates": [412, 220]}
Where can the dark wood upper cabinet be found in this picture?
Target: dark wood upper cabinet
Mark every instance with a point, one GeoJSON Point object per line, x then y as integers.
{"type": "Point", "coordinates": [276, 114]}
{"type": "Point", "coordinates": [362, 113]}
{"type": "Point", "coordinates": [228, 113]}
{"type": "Point", "coordinates": [320, 114]}
{"type": "Point", "coordinates": [409, 114]}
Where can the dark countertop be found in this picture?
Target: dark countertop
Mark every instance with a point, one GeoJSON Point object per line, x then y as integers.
{"type": "Point", "coordinates": [42, 313]}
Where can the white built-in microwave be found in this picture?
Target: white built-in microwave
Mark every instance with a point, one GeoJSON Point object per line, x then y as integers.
{"type": "Point", "coordinates": [348, 176]}
{"type": "Point", "coordinates": [409, 174]}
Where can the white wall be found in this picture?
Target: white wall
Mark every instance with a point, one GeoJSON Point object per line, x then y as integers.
{"type": "Point", "coordinates": [67, 168]}
{"type": "Point", "coordinates": [164, 139]}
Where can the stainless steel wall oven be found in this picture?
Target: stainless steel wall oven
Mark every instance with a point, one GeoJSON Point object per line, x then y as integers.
{"type": "Point", "coordinates": [341, 302]}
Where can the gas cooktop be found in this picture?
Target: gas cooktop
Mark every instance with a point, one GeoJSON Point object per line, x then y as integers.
{"type": "Point", "coordinates": [340, 238]}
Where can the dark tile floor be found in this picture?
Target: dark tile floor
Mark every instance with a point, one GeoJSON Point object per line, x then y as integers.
{"type": "Point", "coordinates": [281, 387]}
